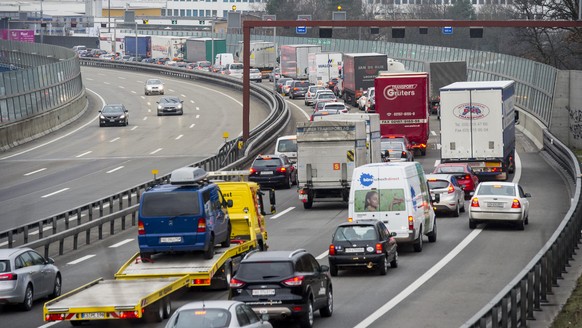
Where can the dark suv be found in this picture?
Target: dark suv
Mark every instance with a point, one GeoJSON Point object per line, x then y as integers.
{"type": "Point", "coordinates": [284, 284]}
{"type": "Point", "coordinates": [273, 170]}
{"type": "Point", "coordinates": [298, 89]}
{"type": "Point", "coordinates": [364, 244]}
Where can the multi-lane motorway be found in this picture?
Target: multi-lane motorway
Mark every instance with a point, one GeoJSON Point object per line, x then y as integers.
{"type": "Point", "coordinates": [442, 286]}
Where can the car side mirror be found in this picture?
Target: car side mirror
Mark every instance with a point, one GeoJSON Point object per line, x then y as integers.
{"type": "Point", "coordinates": [229, 203]}
{"type": "Point", "coordinates": [264, 317]}
{"type": "Point", "coordinates": [50, 260]}
{"type": "Point", "coordinates": [324, 268]}
{"type": "Point", "coordinates": [527, 195]}
{"type": "Point", "coordinates": [393, 234]}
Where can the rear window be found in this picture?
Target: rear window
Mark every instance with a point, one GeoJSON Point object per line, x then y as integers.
{"type": "Point", "coordinates": [262, 163]}
{"type": "Point", "coordinates": [355, 233]}
{"type": "Point", "coordinates": [301, 84]}
{"type": "Point", "coordinates": [438, 184]}
{"type": "Point", "coordinates": [216, 318]}
{"type": "Point", "coordinates": [334, 107]}
{"type": "Point", "coordinates": [326, 96]}
{"type": "Point", "coordinates": [496, 190]}
{"type": "Point", "coordinates": [4, 266]}
{"type": "Point", "coordinates": [236, 66]}
{"type": "Point", "coordinates": [287, 145]}
{"type": "Point", "coordinates": [450, 169]}
{"type": "Point", "coordinates": [174, 203]}
{"type": "Point", "coordinates": [391, 146]}
{"type": "Point", "coordinates": [264, 270]}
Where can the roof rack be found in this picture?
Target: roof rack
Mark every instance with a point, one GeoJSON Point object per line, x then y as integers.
{"type": "Point", "coordinates": [189, 176]}
{"type": "Point", "coordinates": [297, 251]}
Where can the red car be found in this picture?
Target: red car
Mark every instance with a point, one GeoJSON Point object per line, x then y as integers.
{"type": "Point", "coordinates": [464, 174]}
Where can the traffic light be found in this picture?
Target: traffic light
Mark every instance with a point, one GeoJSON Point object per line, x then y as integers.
{"type": "Point", "coordinates": [146, 21]}
{"type": "Point", "coordinates": [174, 22]}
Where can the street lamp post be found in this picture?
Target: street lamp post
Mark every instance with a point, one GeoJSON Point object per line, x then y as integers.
{"type": "Point", "coordinates": [109, 16]}
{"type": "Point", "coordinates": [41, 19]}
{"type": "Point", "coordinates": [136, 50]}
{"type": "Point", "coordinates": [212, 35]}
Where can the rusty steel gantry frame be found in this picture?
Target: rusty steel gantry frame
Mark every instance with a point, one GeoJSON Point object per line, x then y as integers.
{"type": "Point", "coordinates": [249, 24]}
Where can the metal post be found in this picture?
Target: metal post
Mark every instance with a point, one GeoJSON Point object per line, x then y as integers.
{"type": "Point", "coordinates": [136, 44]}
{"type": "Point", "coordinates": [41, 16]}
{"type": "Point", "coordinates": [114, 41]}
{"type": "Point", "coordinates": [109, 16]}
{"type": "Point", "coordinates": [580, 10]}
{"type": "Point", "coordinates": [212, 34]}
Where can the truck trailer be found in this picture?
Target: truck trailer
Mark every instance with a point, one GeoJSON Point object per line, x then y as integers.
{"type": "Point", "coordinates": [199, 49]}
{"type": "Point", "coordinates": [327, 153]}
{"type": "Point", "coordinates": [441, 74]}
{"type": "Point", "coordinates": [401, 100]}
{"type": "Point", "coordinates": [143, 44]}
{"type": "Point", "coordinates": [359, 72]}
{"type": "Point", "coordinates": [294, 60]}
{"type": "Point", "coordinates": [478, 126]}
{"type": "Point", "coordinates": [324, 66]}
{"type": "Point", "coordinates": [263, 56]}
{"type": "Point", "coordinates": [164, 46]}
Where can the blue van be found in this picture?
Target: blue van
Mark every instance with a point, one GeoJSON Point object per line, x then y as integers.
{"type": "Point", "coordinates": [188, 214]}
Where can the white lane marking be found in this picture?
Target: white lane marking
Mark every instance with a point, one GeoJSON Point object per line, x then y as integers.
{"type": "Point", "coordinates": [197, 116]}
{"type": "Point", "coordinates": [183, 95]}
{"type": "Point", "coordinates": [88, 79]}
{"type": "Point", "coordinates": [171, 90]}
{"type": "Point", "coordinates": [433, 133]}
{"type": "Point", "coordinates": [46, 325]}
{"type": "Point", "coordinates": [145, 118]}
{"type": "Point", "coordinates": [115, 169]}
{"type": "Point", "coordinates": [197, 108]}
{"type": "Point", "coordinates": [135, 127]}
{"type": "Point", "coordinates": [301, 109]}
{"type": "Point", "coordinates": [121, 243]}
{"type": "Point", "coordinates": [54, 193]}
{"type": "Point", "coordinates": [192, 101]}
{"type": "Point", "coordinates": [86, 257]}
{"type": "Point", "coordinates": [121, 78]}
{"type": "Point", "coordinates": [155, 151]}
{"type": "Point", "coordinates": [121, 87]}
{"type": "Point", "coordinates": [115, 139]}
{"type": "Point", "coordinates": [142, 97]}
{"type": "Point", "coordinates": [437, 162]}
{"type": "Point", "coordinates": [133, 91]}
{"type": "Point", "coordinates": [322, 255]}
{"type": "Point", "coordinates": [436, 268]}
{"type": "Point", "coordinates": [33, 172]}
{"type": "Point", "coordinates": [138, 81]}
{"type": "Point", "coordinates": [149, 110]}
{"type": "Point", "coordinates": [149, 103]}
{"type": "Point", "coordinates": [61, 137]}
{"type": "Point", "coordinates": [107, 83]}
{"type": "Point", "coordinates": [35, 232]}
{"type": "Point", "coordinates": [281, 213]}
{"type": "Point", "coordinates": [179, 137]}
{"type": "Point", "coordinates": [85, 153]}
{"type": "Point", "coordinates": [192, 125]}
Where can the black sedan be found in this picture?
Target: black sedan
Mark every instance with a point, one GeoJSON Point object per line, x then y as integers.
{"type": "Point", "coordinates": [170, 105]}
{"type": "Point", "coordinates": [114, 114]}
{"type": "Point", "coordinates": [273, 170]}
{"type": "Point", "coordinates": [363, 244]}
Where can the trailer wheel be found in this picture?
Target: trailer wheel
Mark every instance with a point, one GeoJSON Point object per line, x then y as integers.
{"type": "Point", "coordinates": [155, 312]}
{"type": "Point", "coordinates": [309, 203]}
{"type": "Point", "coordinates": [167, 307]}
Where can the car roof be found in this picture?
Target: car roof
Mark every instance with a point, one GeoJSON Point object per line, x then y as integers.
{"type": "Point", "coordinates": [369, 222]}
{"type": "Point", "coordinates": [210, 304]}
{"type": "Point", "coordinates": [9, 252]}
{"type": "Point", "coordinates": [453, 164]}
{"type": "Point", "coordinates": [328, 103]}
{"type": "Point", "coordinates": [493, 183]}
{"type": "Point", "coordinates": [272, 256]}
{"type": "Point", "coordinates": [439, 176]}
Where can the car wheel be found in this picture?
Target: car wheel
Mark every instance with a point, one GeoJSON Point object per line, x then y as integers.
{"type": "Point", "coordinates": [394, 262]}
{"type": "Point", "coordinates": [423, 152]}
{"type": "Point", "coordinates": [155, 312]}
{"type": "Point", "coordinates": [100, 125]}
{"type": "Point", "coordinates": [145, 256]}
{"type": "Point", "coordinates": [456, 210]}
{"type": "Point", "coordinates": [209, 253]}
{"type": "Point", "coordinates": [306, 320]}
{"type": "Point", "coordinates": [383, 265]}
{"type": "Point", "coordinates": [309, 203]}
{"type": "Point", "coordinates": [57, 288]}
{"type": "Point", "coordinates": [526, 220]}
{"type": "Point", "coordinates": [521, 225]}
{"type": "Point", "coordinates": [28, 296]}
{"type": "Point", "coordinates": [126, 122]}
{"type": "Point", "coordinates": [226, 243]}
{"type": "Point", "coordinates": [327, 311]}
{"type": "Point", "coordinates": [463, 208]}
{"type": "Point", "coordinates": [432, 236]}
{"type": "Point", "coordinates": [472, 224]}
{"type": "Point", "coordinates": [333, 270]}
{"type": "Point", "coordinates": [287, 183]}
{"type": "Point", "coordinates": [418, 243]}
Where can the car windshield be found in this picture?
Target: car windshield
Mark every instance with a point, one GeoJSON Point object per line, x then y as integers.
{"type": "Point", "coordinates": [150, 82]}
{"type": "Point", "coordinates": [236, 66]}
{"type": "Point", "coordinates": [496, 190]}
{"type": "Point", "coordinates": [264, 270]}
{"type": "Point", "coordinates": [450, 169]}
{"type": "Point", "coordinates": [254, 70]}
{"type": "Point", "coordinates": [326, 96]}
{"type": "Point", "coordinates": [287, 145]}
{"type": "Point", "coordinates": [301, 84]}
{"type": "Point", "coordinates": [438, 184]}
{"type": "Point", "coordinates": [204, 64]}
{"type": "Point", "coordinates": [263, 163]}
{"type": "Point", "coordinates": [205, 317]}
{"type": "Point", "coordinates": [355, 233]}
{"type": "Point", "coordinates": [171, 203]}
{"type": "Point", "coordinates": [112, 110]}
{"type": "Point", "coordinates": [170, 100]}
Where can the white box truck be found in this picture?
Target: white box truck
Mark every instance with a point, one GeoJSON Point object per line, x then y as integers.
{"type": "Point", "coordinates": [478, 126]}
{"type": "Point", "coordinates": [294, 60]}
{"type": "Point", "coordinates": [327, 153]}
{"type": "Point", "coordinates": [398, 195]}
{"type": "Point", "coordinates": [323, 67]}
{"type": "Point", "coordinates": [263, 56]}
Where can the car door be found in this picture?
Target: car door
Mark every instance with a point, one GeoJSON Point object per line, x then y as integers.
{"type": "Point", "coordinates": [47, 275]}
{"type": "Point", "coordinates": [318, 281]}
{"type": "Point", "coordinates": [524, 201]}
{"type": "Point", "coordinates": [33, 269]}
{"type": "Point", "coordinates": [220, 214]}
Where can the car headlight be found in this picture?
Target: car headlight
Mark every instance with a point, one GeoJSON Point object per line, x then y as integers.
{"type": "Point", "coordinates": [122, 117]}
{"type": "Point", "coordinates": [160, 107]}
{"type": "Point", "coordinates": [148, 87]}
{"type": "Point", "coordinates": [102, 117]}
{"type": "Point", "coordinates": [180, 106]}
{"type": "Point", "coordinates": [161, 87]}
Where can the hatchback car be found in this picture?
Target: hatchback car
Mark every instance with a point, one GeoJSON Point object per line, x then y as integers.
{"type": "Point", "coordinates": [329, 96]}
{"type": "Point", "coordinates": [318, 105]}
{"type": "Point", "coordinates": [273, 170]}
{"type": "Point", "coordinates": [499, 201]}
{"type": "Point", "coordinates": [287, 87]}
{"type": "Point", "coordinates": [334, 105]}
{"type": "Point", "coordinates": [255, 75]}
{"type": "Point", "coordinates": [114, 114]}
{"type": "Point", "coordinates": [362, 244]}
{"type": "Point", "coordinates": [280, 83]}
{"type": "Point", "coordinates": [361, 102]}
{"type": "Point", "coordinates": [310, 94]}
{"type": "Point", "coordinates": [464, 174]}
{"type": "Point", "coordinates": [153, 86]}
{"type": "Point", "coordinates": [298, 89]}
{"type": "Point", "coordinates": [451, 194]}
{"type": "Point", "coordinates": [284, 284]}
{"type": "Point", "coordinates": [26, 276]}
{"type": "Point", "coordinates": [397, 137]}
{"type": "Point", "coordinates": [318, 115]}
{"type": "Point", "coordinates": [170, 105]}
{"type": "Point", "coordinates": [274, 75]}
{"type": "Point", "coordinates": [370, 105]}
{"type": "Point", "coordinates": [202, 65]}
{"type": "Point", "coordinates": [216, 313]}
{"type": "Point", "coordinates": [395, 151]}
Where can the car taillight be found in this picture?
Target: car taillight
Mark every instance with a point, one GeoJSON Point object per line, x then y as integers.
{"type": "Point", "coordinates": [516, 204]}
{"type": "Point", "coordinates": [474, 202]}
{"type": "Point", "coordinates": [292, 282]}
{"type": "Point", "coordinates": [252, 170]}
{"type": "Point", "coordinates": [467, 177]}
{"type": "Point", "coordinates": [451, 189]}
{"type": "Point", "coordinates": [410, 223]}
{"type": "Point", "coordinates": [331, 250]}
{"type": "Point", "coordinates": [378, 248]}
{"type": "Point", "coordinates": [235, 283]}
{"type": "Point", "coordinates": [295, 89]}
{"type": "Point", "coordinates": [140, 228]}
{"type": "Point", "coordinates": [281, 169]}
{"type": "Point", "coordinates": [403, 154]}
{"type": "Point", "coordinates": [8, 276]}
{"type": "Point", "coordinates": [55, 317]}
{"type": "Point", "coordinates": [201, 225]}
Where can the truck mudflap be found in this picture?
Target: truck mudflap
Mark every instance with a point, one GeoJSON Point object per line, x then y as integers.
{"type": "Point", "coordinates": [112, 299]}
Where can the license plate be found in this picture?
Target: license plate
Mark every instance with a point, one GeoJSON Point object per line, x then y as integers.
{"type": "Point", "coordinates": [111, 120]}
{"type": "Point", "coordinates": [98, 315]}
{"type": "Point", "coordinates": [495, 204]}
{"type": "Point", "coordinates": [302, 197]}
{"type": "Point", "coordinates": [266, 172]}
{"type": "Point", "coordinates": [170, 239]}
{"type": "Point", "coordinates": [263, 292]}
{"type": "Point", "coordinates": [355, 250]}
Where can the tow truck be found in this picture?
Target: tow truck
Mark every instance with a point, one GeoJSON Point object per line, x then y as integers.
{"type": "Point", "coordinates": [142, 289]}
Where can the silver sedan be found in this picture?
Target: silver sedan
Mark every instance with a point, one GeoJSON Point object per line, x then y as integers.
{"type": "Point", "coordinates": [224, 314]}
{"type": "Point", "coordinates": [25, 276]}
{"type": "Point", "coordinates": [499, 201]}
{"type": "Point", "coordinates": [451, 193]}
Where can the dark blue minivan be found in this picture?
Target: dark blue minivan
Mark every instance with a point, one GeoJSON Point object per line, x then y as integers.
{"type": "Point", "coordinates": [188, 214]}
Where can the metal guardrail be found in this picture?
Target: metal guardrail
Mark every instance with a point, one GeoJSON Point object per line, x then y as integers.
{"type": "Point", "coordinates": [523, 296]}
{"type": "Point", "coordinates": [57, 228]}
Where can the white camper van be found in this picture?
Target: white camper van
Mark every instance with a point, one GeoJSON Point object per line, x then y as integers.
{"type": "Point", "coordinates": [398, 195]}
{"type": "Point", "coordinates": [287, 145]}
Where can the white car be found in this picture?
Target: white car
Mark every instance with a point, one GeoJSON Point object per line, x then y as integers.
{"type": "Point", "coordinates": [499, 201]}
{"type": "Point", "coordinates": [362, 100]}
{"type": "Point", "coordinates": [311, 91]}
{"type": "Point", "coordinates": [451, 193]}
{"type": "Point", "coordinates": [216, 313]}
{"type": "Point", "coordinates": [334, 105]}
{"type": "Point", "coordinates": [154, 86]}
{"type": "Point", "coordinates": [255, 75]}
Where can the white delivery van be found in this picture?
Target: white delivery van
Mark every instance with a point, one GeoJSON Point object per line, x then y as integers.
{"type": "Point", "coordinates": [398, 195]}
{"type": "Point", "coordinates": [223, 59]}
{"type": "Point", "coordinates": [287, 145]}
